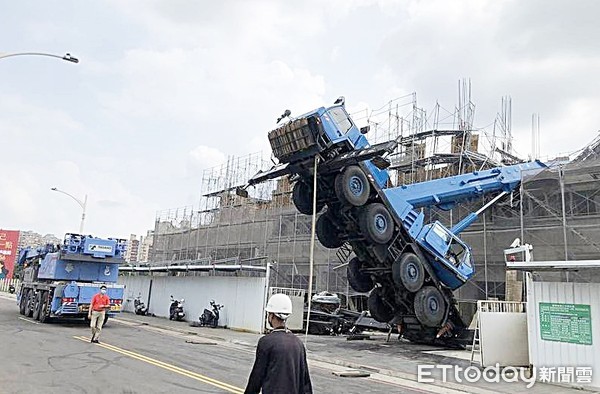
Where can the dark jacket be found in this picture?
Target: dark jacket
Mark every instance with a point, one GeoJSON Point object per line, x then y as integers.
{"type": "Point", "coordinates": [280, 365]}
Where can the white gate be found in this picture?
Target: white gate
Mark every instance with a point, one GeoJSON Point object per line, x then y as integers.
{"type": "Point", "coordinates": [502, 333]}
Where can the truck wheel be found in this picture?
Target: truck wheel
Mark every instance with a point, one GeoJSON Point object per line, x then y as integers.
{"type": "Point", "coordinates": [302, 197]}
{"type": "Point", "coordinates": [357, 280]}
{"type": "Point", "coordinates": [44, 308]}
{"type": "Point", "coordinates": [30, 302]}
{"type": "Point", "coordinates": [430, 306]}
{"type": "Point", "coordinates": [23, 302]}
{"type": "Point", "coordinates": [37, 305]}
{"type": "Point", "coordinates": [408, 272]}
{"type": "Point", "coordinates": [378, 309]}
{"type": "Point", "coordinates": [327, 233]}
{"type": "Point", "coordinates": [352, 186]}
{"type": "Point", "coordinates": [376, 223]}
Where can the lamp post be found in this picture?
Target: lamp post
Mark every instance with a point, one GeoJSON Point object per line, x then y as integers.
{"type": "Point", "coordinates": [82, 204]}
{"type": "Point", "coordinates": [66, 57]}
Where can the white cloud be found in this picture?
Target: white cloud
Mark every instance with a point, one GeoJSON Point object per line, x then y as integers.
{"type": "Point", "coordinates": [202, 157]}
{"type": "Point", "coordinates": [167, 89]}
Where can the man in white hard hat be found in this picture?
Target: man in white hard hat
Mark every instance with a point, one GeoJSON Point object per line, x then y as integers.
{"type": "Point", "coordinates": [280, 365]}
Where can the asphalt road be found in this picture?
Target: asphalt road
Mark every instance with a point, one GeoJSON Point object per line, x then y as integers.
{"type": "Point", "coordinates": [58, 358]}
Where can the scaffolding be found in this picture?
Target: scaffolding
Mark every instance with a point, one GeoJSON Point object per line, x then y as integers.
{"type": "Point", "coordinates": [557, 210]}
{"type": "Point", "coordinates": [442, 143]}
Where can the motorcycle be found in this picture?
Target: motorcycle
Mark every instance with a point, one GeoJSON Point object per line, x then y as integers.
{"type": "Point", "coordinates": [210, 318]}
{"type": "Point", "coordinates": [176, 309]}
{"type": "Point", "coordinates": [139, 306]}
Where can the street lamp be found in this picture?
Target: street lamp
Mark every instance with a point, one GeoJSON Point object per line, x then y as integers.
{"type": "Point", "coordinates": [66, 57]}
{"type": "Point", "coordinates": [82, 204]}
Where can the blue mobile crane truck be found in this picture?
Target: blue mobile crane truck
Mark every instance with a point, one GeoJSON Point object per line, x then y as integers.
{"type": "Point", "coordinates": [410, 268]}
{"type": "Point", "coordinates": [59, 281]}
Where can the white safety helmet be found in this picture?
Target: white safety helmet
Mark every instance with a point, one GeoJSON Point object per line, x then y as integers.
{"type": "Point", "coordinates": [280, 305]}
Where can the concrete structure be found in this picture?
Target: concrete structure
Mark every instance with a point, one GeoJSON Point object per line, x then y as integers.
{"type": "Point", "coordinates": [34, 240]}
{"type": "Point", "coordinates": [133, 244]}
{"type": "Point", "coordinates": [145, 246]}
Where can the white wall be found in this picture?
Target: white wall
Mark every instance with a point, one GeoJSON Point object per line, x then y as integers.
{"type": "Point", "coordinates": [503, 339]}
{"type": "Point", "coordinates": [243, 297]}
{"type": "Point", "coordinates": [543, 353]}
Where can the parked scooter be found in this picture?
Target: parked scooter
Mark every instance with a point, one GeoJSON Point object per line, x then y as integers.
{"type": "Point", "coordinates": [139, 306]}
{"type": "Point", "coordinates": [210, 318]}
{"type": "Point", "coordinates": [176, 309]}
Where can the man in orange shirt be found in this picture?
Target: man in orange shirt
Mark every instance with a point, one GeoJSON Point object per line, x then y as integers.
{"type": "Point", "coordinates": [100, 303]}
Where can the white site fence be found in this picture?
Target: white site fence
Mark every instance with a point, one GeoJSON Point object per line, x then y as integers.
{"type": "Point", "coordinates": [5, 284]}
{"type": "Point", "coordinates": [243, 297]}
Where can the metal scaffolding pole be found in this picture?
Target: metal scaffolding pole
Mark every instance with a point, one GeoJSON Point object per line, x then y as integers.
{"type": "Point", "coordinates": [312, 247]}
{"type": "Point", "coordinates": [564, 216]}
{"type": "Point", "coordinates": [485, 267]}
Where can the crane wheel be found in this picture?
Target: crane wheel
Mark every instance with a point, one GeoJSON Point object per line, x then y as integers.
{"type": "Point", "coordinates": [352, 186]}
{"type": "Point", "coordinates": [376, 223]}
{"type": "Point", "coordinates": [378, 309]}
{"type": "Point", "coordinates": [327, 232]}
{"type": "Point", "coordinates": [430, 307]}
{"type": "Point", "coordinates": [302, 197]}
{"type": "Point", "coordinates": [37, 305]}
{"type": "Point", "coordinates": [359, 281]}
{"type": "Point", "coordinates": [30, 302]}
{"type": "Point", "coordinates": [23, 302]}
{"type": "Point", "coordinates": [44, 308]}
{"type": "Point", "coordinates": [408, 272]}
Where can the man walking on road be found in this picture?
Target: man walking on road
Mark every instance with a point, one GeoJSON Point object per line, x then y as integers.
{"type": "Point", "coordinates": [280, 365]}
{"type": "Point", "coordinates": [97, 312]}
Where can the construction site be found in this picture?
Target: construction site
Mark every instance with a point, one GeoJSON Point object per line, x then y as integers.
{"type": "Point", "coordinates": [486, 280]}
{"type": "Point", "coordinates": [556, 210]}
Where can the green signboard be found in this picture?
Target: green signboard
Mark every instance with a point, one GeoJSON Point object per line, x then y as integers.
{"type": "Point", "coordinates": [571, 323]}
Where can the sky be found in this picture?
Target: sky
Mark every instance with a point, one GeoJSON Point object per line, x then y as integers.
{"type": "Point", "coordinates": [166, 89]}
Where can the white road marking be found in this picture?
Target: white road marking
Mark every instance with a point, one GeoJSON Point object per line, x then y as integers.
{"type": "Point", "coordinates": [27, 320]}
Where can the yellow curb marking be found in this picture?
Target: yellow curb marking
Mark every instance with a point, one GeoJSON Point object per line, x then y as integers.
{"type": "Point", "coordinates": [204, 379]}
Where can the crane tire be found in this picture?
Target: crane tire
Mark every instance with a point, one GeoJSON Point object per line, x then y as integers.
{"type": "Point", "coordinates": [352, 186]}
{"type": "Point", "coordinates": [408, 272]}
{"type": "Point", "coordinates": [376, 223]}
{"type": "Point", "coordinates": [378, 309]}
{"type": "Point", "coordinates": [430, 307]}
{"type": "Point", "coordinates": [359, 281]}
{"type": "Point", "coordinates": [302, 197]}
{"type": "Point", "coordinates": [327, 232]}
